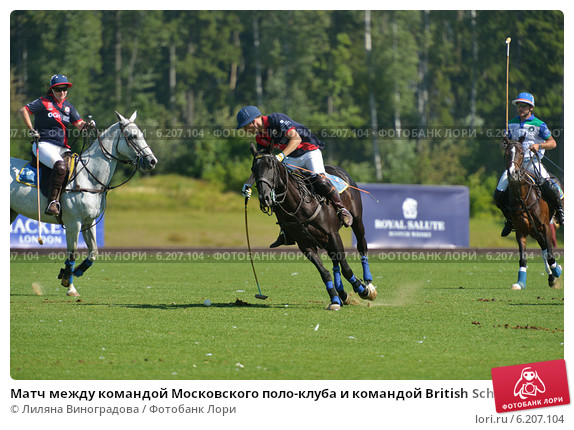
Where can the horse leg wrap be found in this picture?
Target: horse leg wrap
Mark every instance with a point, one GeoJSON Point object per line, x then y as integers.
{"type": "Point", "coordinates": [555, 269]}
{"type": "Point", "coordinates": [333, 293]}
{"type": "Point", "coordinates": [522, 277]}
{"type": "Point", "coordinates": [366, 271]}
{"type": "Point", "coordinates": [86, 264]}
{"type": "Point", "coordinates": [339, 283]}
{"type": "Point", "coordinates": [358, 286]}
{"type": "Point", "coordinates": [337, 278]}
{"type": "Point", "coordinates": [67, 273]}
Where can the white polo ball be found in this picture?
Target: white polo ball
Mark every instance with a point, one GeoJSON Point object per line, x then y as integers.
{"type": "Point", "coordinates": [207, 302]}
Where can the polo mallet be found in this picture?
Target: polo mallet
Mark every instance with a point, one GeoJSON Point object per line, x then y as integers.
{"type": "Point", "coordinates": [40, 241]}
{"type": "Point", "coordinates": [507, 67]}
{"type": "Point", "coordinates": [260, 295]}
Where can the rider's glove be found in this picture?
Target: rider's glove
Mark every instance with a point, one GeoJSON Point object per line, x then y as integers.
{"type": "Point", "coordinates": [91, 123]}
{"type": "Point", "coordinates": [246, 191]}
{"type": "Point", "coordinates": [280, 157]}
{"type": "Point", "coordinates": [34, 134]}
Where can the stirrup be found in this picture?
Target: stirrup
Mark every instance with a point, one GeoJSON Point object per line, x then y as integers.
{"type": "Point", "coordinates": [508, 227]}
{"type": "Point", "coordinates": [50, 211]}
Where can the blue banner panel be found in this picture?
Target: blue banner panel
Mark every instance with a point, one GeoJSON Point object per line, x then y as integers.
{"type": "Point", "coordinates": [24, 234]}
{"type": "Point", "coordinates": [416, 216]}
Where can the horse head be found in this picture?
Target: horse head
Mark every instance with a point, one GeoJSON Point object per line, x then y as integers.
{"type": "Point", "coordinates": [133, 145]}
{"type": "Point", "coordinates": [513, 156]}
{"type": "Point", "coordinates": [265, 170]}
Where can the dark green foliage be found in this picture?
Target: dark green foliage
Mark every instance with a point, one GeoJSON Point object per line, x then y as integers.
{"type": "Point", "coordinates": [192, 70]}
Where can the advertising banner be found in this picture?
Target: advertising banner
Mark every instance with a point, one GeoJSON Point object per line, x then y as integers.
{"type": "Point", "coordinates": [416, 216]}
{"type": "Point", "coordinates": [24, 234]}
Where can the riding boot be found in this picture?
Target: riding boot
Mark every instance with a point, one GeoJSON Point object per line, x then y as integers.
{"type": "Point", "coordinates": [56, 182]}
{"type": "Point", "coordinates": [553, 196]}
{"type": "Point", "coordinates": [501, 200]}
{"type": "Point", "coordinates": [324, 187]}
{"type": "Point", "coordinates": [283, 239]}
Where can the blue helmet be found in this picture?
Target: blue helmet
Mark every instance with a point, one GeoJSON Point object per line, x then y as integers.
{"type": "Point", "coordinates": [59, 80]}
{"type": "Point", "coordinates": [246, 115]}
{"type": "Point", "coordinates": [524, 98]}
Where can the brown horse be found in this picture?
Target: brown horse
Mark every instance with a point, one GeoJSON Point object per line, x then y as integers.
{"type": "Point", "coordinates": [314, 224]}
{"type": "Point", "coordinates": [530, 214]}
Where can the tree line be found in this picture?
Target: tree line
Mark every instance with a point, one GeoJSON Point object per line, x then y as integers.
{"type": "Point", "coordinates": [398, 96]}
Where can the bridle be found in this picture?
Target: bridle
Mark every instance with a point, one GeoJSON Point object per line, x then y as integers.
{"type": "Point", "coordinates": [276, 198]}
{"type": "Point", "coordinates": [139, 154]}
{"type": "Point", "coordinates": [517, 165]}
{"type": "Point", "coordinates": [524, 177]}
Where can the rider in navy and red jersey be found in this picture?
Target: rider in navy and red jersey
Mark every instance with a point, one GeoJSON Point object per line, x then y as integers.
{"type": "Point", "coordinates": [53, 114]}
{"type": "Point", "coordinates": [299, 147]}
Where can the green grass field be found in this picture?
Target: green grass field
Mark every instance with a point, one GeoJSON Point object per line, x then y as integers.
{"type": "Point", "coordinates": [145, 319]}
{"type": "Point", "coordinates": [142, 316]}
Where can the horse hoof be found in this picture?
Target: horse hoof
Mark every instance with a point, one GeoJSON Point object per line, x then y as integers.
{"type": "Point", "coordinates": [345, 297]}
{"type": "Point", "coordinates": [553, 282]}
{"type": "Point", "coordinates": [517, 286]}
{"type": "Point", "coordinates": [371, 292]}
{"type": "Point", "coordinates": [72, 292]}
{"type": "Point", "coordinates": [333, 307]}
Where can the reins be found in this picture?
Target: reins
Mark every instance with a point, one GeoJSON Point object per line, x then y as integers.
{"type": "Point", "coordinates": [523, 178]}
{"type": "Point", "coordinates": [110, 156]}
{"type": "Point", "coordinates": [283, 195]}
{"type": "Point", "coordinates": [279, 199]}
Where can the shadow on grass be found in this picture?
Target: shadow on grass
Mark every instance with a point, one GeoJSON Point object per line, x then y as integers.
{"type": "Point", "coordinates": [166, 306]}
{"type": "Point", "coordinates": [172, 306]}
{"type": "Point", "coordinates": [536, 304]}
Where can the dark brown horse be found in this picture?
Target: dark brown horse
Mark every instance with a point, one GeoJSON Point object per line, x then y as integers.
{"type": "Point", "coordinates": [313, 223]}
{"type": "Point", "coordinates": [530, 213]}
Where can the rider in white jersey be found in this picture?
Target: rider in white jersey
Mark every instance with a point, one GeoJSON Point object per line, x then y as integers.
{"type": "Point", "coordinates": [537, 139]}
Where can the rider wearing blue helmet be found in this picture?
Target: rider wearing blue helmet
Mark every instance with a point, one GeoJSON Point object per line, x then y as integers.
{"type": "Point", "coordinates": [53, 114]}
{"type": "Point", "coordinates": [299, 147]}
{"type": "Point", "coordinates": [537, 139]}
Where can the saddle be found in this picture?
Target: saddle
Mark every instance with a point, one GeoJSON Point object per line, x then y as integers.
{"type": "Point", "coordinates": [307, 178]}
{"type": "Point", "coordinates": [29, 176]}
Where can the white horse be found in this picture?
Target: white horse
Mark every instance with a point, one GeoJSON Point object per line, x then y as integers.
{"type": "Point", "coordinates": [83, 199]}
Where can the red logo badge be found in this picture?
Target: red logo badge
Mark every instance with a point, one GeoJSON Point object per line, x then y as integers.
{"type": "Point", "coordinates": [529, 386]}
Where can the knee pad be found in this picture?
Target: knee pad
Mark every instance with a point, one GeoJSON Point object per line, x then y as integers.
{"type": "Point", "coordinates": [60, 168]}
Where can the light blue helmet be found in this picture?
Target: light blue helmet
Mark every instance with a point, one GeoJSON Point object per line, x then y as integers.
{"type": "Point", "coordinates": [246, 115]}
{"type": "Point", "coordinates": [524, 98]}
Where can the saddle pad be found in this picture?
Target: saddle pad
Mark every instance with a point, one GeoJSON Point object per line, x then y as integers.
{"type": "Point", "coordinates": [28, 175]}
{"type": "Point", "coordinates": [339, 184]}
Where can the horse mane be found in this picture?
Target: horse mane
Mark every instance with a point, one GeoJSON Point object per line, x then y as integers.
{"type": "Point", "coordinates": [300, 178]}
